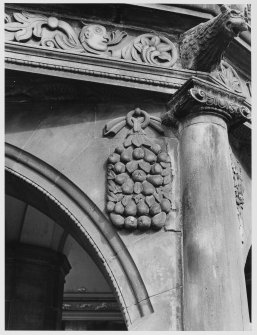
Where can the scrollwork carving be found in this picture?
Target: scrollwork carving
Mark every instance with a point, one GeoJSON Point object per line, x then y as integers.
{"type": "Point", "coordinates": [50, 32]}
{"type": "Point", "coordinates": [151, 49]}
{"type": "Point", "coordinates": [202, 97]}
{"type": "Point", "coordinates": [47, 31]}
{"type": "Point", "coordinates": [139, 175]}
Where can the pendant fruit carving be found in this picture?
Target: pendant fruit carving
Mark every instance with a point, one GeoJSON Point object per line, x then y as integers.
{"type": "Point", "coordinates": [139, 178]}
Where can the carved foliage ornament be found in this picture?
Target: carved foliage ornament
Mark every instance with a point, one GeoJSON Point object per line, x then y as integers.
{"type": "Point", "coordinates": [200, 96]}
{"type": "Point", "coordinates": [229, 77]}
{"type": "Point", "coordinates": [51, 32]}
{"type": "Point", "coordinates": [151, 49]}
{"type": "Point", "coordinates": [139, 175]}
{"type": "Point", "coordinates": [239, 194]}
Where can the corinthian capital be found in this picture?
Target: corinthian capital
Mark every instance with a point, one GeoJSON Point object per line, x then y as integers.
{"type": "Point", "coordinates": [197, 96]}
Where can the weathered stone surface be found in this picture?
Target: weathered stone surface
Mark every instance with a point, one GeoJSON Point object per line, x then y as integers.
{"type": "Point", "coordinates": [143, 176]}
{"type": "Point", "coordinates": [93, 39]}
{"type": "Point", "coordinates": [167, 313]}
{"type": "Point", "coordinates": [158, 258]}
{"type": "Point", "coordinates": [201, 47]}
{"type": "Point", "coordinates": [209, 214]}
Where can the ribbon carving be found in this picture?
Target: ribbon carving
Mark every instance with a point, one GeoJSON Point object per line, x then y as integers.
{"type": "Point", "coordinates": [139, 175]}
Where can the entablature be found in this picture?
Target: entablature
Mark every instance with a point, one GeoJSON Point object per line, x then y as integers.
{"type": "Point", "coordinates": [110, 47]}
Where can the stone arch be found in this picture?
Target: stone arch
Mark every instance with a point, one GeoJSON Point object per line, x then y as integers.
{"type": "Point", "coordinates": [42, 186]}
{"type": "Point", "coordinates": [248, 280]}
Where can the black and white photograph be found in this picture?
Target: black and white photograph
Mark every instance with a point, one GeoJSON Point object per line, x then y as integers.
{"type": "Point", "coordinates": [127, 158]}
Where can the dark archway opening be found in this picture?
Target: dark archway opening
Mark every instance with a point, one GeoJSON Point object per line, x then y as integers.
{"type": "Point", "coordinates": [248, 281]}
{"type": "Point", "coordinates": [36, 206]}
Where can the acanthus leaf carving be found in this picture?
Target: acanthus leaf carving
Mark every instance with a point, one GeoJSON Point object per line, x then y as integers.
{"type": "Point", "coordinates": [151, 49]}
{"type": "Point", "coordinates": [228, 76]}
{"type": "Point", "coordinates": [197, 95]}
{"type": "Point", "coordinates": [139, 175]}
{"type": "Point", "coordinates": [115, 37]}
{"type": "Point", "coordinates": [93, 39]}
{"type": "Point", "coordinates": [48, 31]}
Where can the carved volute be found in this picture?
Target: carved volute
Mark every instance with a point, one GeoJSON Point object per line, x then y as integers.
{"type": "Point", "coordinates": [139, 175]}
{"type": "Point", "coordinates": [51, 32]}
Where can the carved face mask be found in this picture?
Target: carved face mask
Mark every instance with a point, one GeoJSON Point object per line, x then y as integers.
{"type": "Point", "coordinates": [95, 36]}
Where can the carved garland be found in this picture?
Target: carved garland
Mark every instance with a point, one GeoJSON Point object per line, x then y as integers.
{"type": "Point", "coordinates": [239, 194]}
{"type": "Point", "coordinates": [139, 175]}
{"type": "Point", "coordinates": [51, 32]}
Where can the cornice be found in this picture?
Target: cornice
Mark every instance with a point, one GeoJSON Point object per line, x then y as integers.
{"type": "Point", "coordinates": [198, 96]}
{"type": "Point", "coordinates": [96, 68]}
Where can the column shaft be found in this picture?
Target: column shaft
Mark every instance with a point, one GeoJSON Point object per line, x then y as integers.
{"type": "Point", "coordinates": [34, 280]}
{"type": "Point", "coordinates": [214, 288]}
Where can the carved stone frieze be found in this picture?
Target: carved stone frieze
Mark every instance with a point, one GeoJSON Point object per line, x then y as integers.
{"type": "Point", "coordinates": [229, 77]}
{"type": "Point", "coordinates": [199, 96]}
{"type": "Point", "coordinates": [151, 49]}
{"type": "Point", "coordinates": [239, 194]}
{"type": "Point", "coordinates": [139, 175]}
{"type": "Point", "coordinates": [94, 39]}
{"type": "Point", "coordinates": [201, 47]}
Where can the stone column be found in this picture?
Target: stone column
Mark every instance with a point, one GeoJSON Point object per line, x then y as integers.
{"type": "Point", "coordinates": [34, 281]}
{"type": "Point", "coordinates": [214, 285]}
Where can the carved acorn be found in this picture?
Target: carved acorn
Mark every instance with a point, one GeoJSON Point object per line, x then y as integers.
{"type": "Point", "coordinates": [166, 179]}
{"type": "Point", "coordinates": [165, 205]}
{"type": "Point", "coordinates": [145, 166]}
{"type": "Point", "coordinates": [148, 188]}
{"type": "Point", "coordinates": [163, 157]}
{"type": "Point", "coordinates": [117, 220]}
{"type": "Point", "coordinates": [119, 208]}
{"type": "Point", "coordinates": [156, 169]}
{"type": "Point", "coordinates": [110, 206]}
{"type": "Point", "coordinates": [158, 220]}
{"type": "Point", "coordinates": [119, 149]}
{"type": "Point", "coordinates": [128, 187]}
{"type": "Point", "coordinates": [156, 148]}
{"type": "Point", "coordinates": [126, 199]}
{"type": "Point", "coordinates": [156, 179]}
{"type": "Point", "coordinates": [138, 187]}
{"type": "Point", "coordinates": [114, 158]}
{"type": "Point", "coordinates": [131, 208]}
{"type": "Point", "coordinates": [138, 153]}
{"type": "Point", "coordinates": [121, 178]}
{"type": "Point", "coordinates": [155, 209]}
{"type": "Point", "coordinates": [126, 155]}
{"type": "Point", "coordinates": [149, 156]}
{"type": "Point", "coordinates": [138, 175]}
{"type": "Point", "coordinates": [119, 167]}
{"type": "Point", "coordinates": [144, 222]}
{"type": "Point", "coordinates": [150, 200]}
{"type": "Point", "coordinates": [131, 166]}
{"type": "Point", "coordinates": [142, 208]}
{"type": "Point", "coordinates": [130, 222]}
{"type": "Point", "coordinates": [138, 179]}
